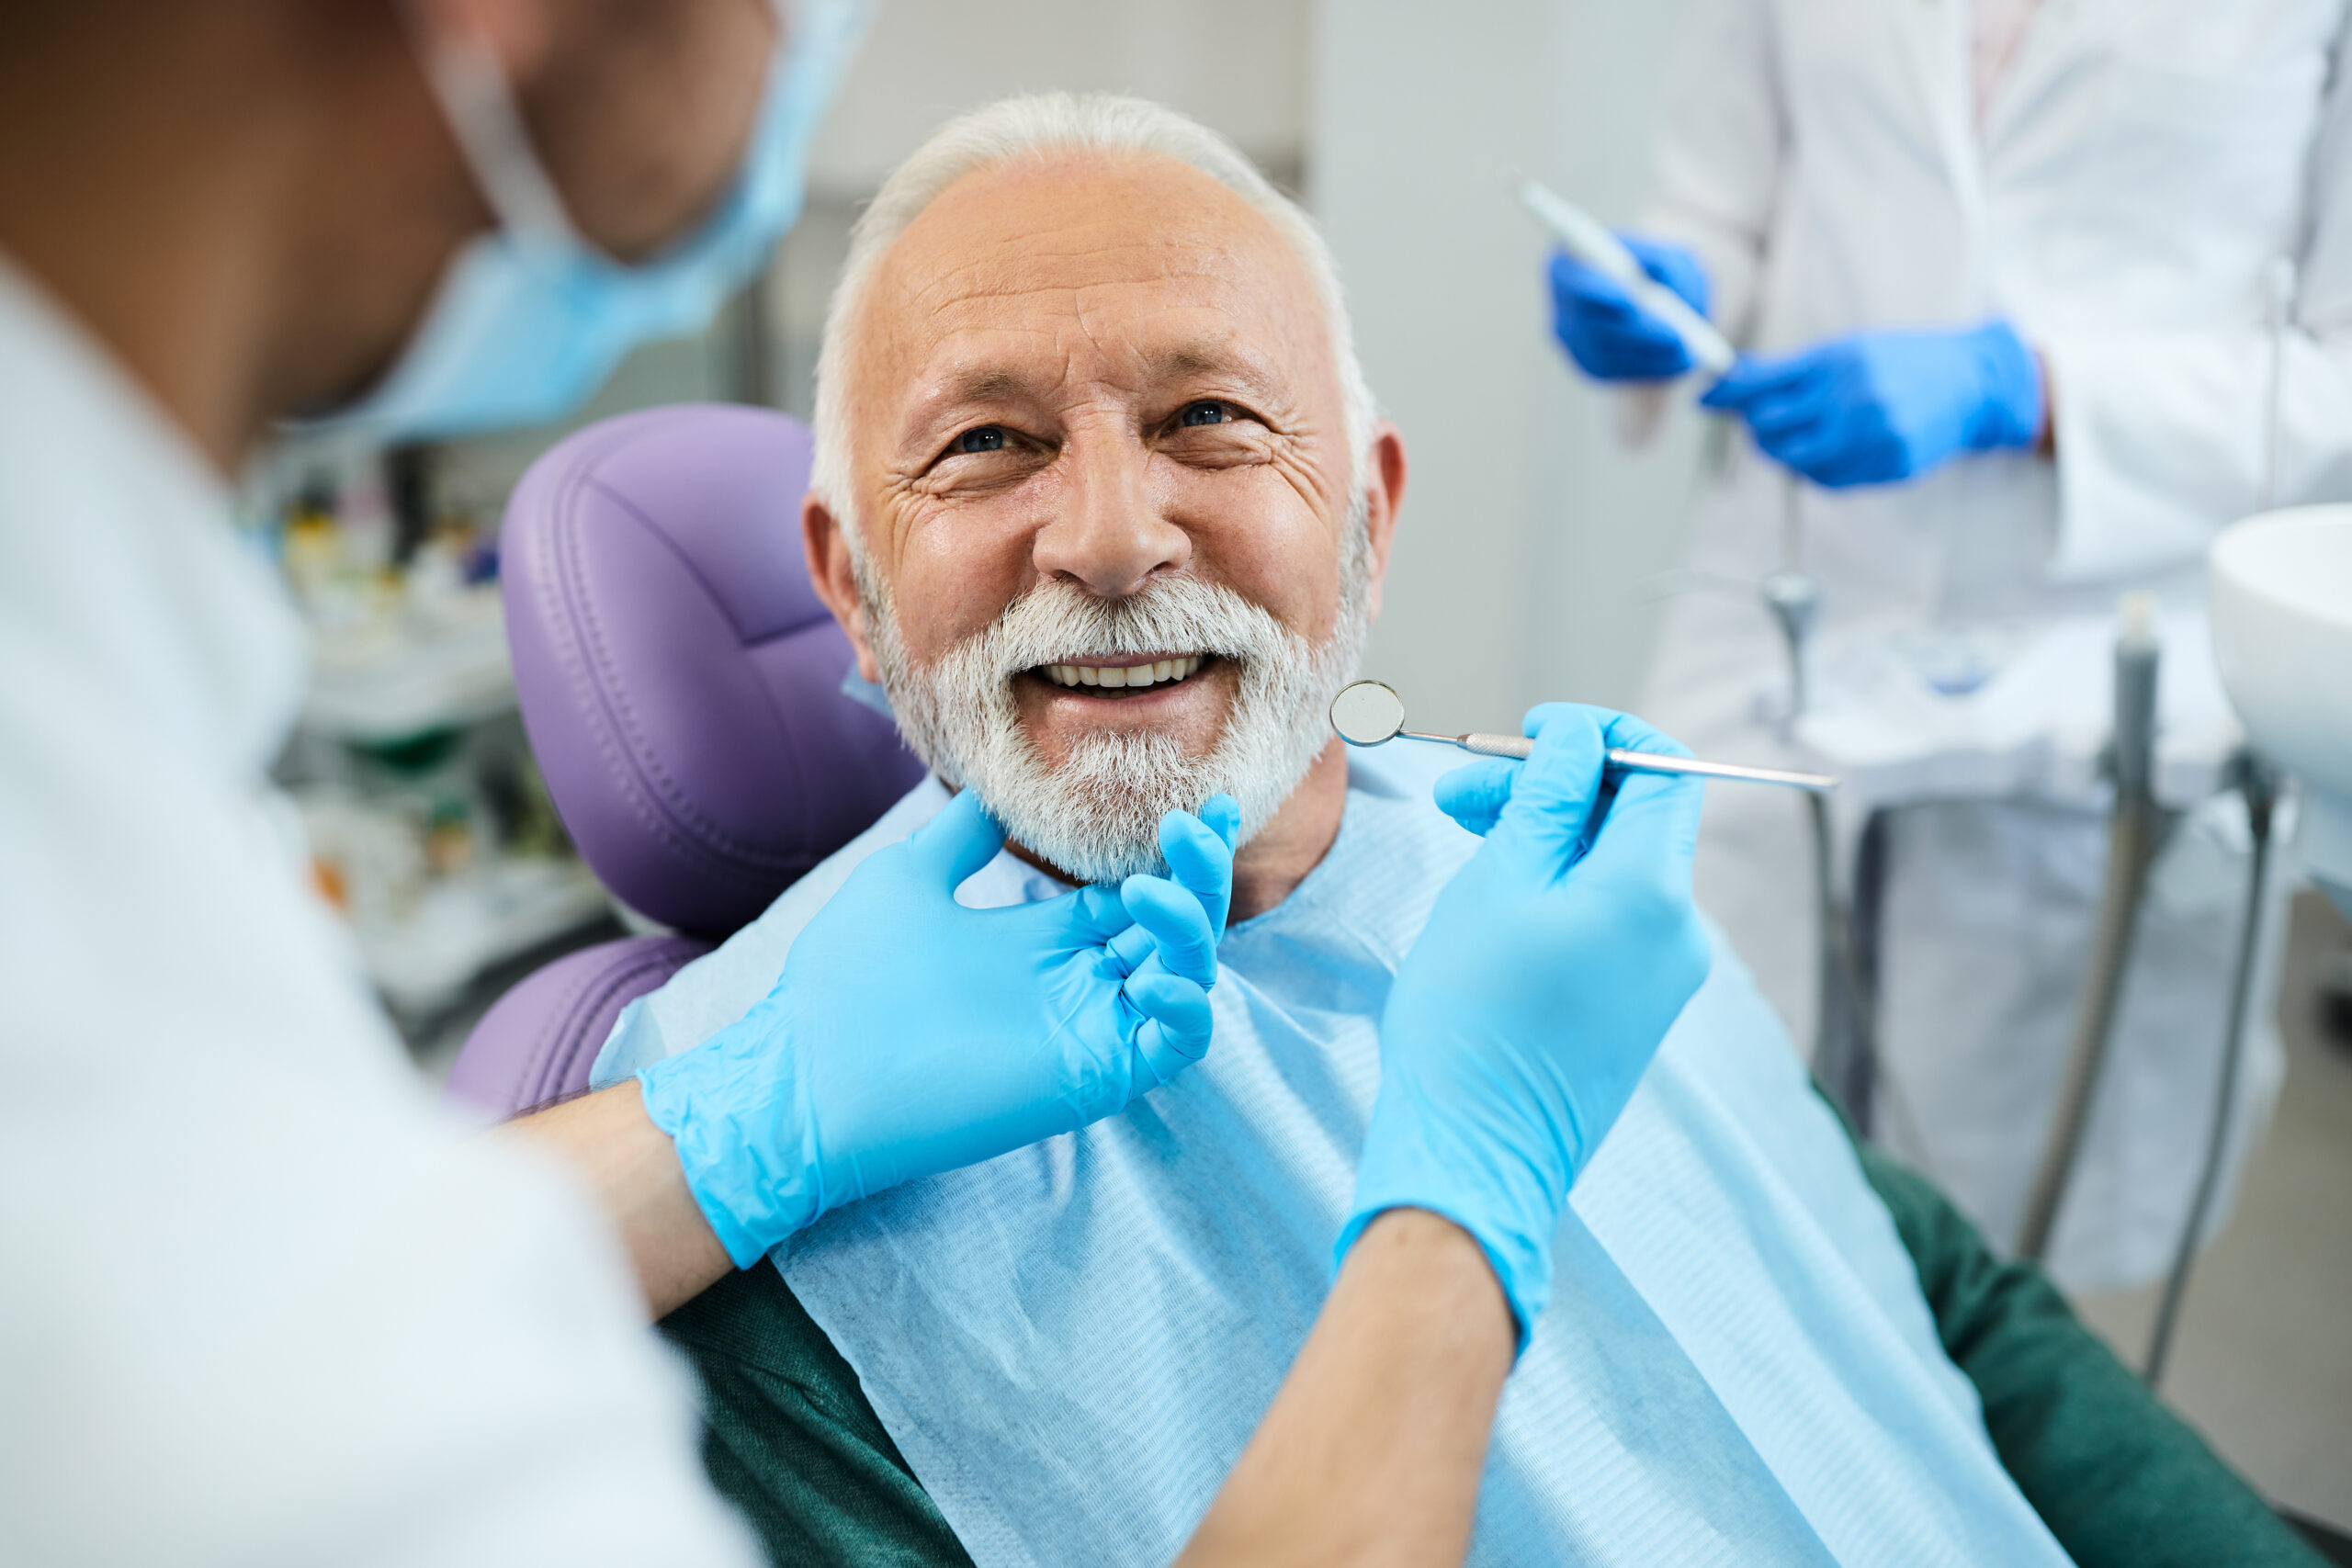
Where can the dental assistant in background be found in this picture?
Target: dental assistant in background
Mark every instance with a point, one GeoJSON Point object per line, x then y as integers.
{"type": "Point", "coordinates": [2001, 269]}
{"type": "Point", "coordinates": [264, 1305]}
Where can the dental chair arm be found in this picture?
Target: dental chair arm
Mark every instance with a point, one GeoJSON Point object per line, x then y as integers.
{"type": "Point", "coordinates": [2117, 1476]}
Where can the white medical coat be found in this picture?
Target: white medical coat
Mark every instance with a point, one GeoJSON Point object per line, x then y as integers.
{"type": "Point", "coordinates": [259, 1304]}
{"type": "Point", "coordinates": [2139, 167]}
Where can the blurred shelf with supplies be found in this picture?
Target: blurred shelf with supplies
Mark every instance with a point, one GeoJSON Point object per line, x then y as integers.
{"type": "Point", "coordinates": [428, 827]}
{"type": "Point", "coordinates": [443, 852]}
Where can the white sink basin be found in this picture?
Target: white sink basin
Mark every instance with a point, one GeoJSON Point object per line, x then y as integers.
{"type": "Point", "coordinates": [2280, 593]}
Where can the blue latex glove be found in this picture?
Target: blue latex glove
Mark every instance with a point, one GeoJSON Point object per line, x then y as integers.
{"type": "Point", "coordinates": [911, 1035]}
{"type": "Point", "coordinates": [1608, 336]}
{"type": "Point", "coordinates": [1550, 968]}
{"type": "Point", "coordinates": [1880, 407]}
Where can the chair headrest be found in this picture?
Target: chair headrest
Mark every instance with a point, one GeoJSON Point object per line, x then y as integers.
{"type": "Point", "coordinates": [679, 679]}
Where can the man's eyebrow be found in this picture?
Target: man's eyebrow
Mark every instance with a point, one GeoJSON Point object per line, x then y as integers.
{"type": "Point", "coordinates": [982, 384]}
{"type": "Point", "coordinates": [955, 394]}
{"type": "Point", "coordinates": [1210, 359]}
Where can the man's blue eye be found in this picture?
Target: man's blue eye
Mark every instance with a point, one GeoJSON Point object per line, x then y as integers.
{"type": "Point", "coordinates": [1202, 413]}
{"type": "Point", "coordinates": [986, 438]}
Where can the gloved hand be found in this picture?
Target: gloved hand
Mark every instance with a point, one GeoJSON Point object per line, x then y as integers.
{"type": "Point", "coordinates": [1609, 337]}
{"type": "Point", "coordinates": [911, 1035]}
{"type": "Point", "coordinates": [1535, 998]}
{"type": "Point", "coordinates": [1880, 407]}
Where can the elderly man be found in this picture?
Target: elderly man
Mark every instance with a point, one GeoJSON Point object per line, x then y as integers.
{"type": "Point", "coordinates": [1105, 505]}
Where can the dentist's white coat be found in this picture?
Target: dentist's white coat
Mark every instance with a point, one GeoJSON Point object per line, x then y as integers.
{"type": "Point", "coordinates": [260, 1303]}
{"type": "Point", "coordinates": [2140, 165]}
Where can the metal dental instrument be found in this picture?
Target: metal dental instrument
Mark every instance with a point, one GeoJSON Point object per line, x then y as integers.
{"type": "Point", "coordinates": [1588, 241]}
{"type": "Point", "coordinates": [2136, 827]}
{"type": "Point", "coordinates": [1371, 714]}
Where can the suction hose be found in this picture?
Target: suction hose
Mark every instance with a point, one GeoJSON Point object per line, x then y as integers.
{"type": "Point", "coordinates": [2258, 783]}
{"type": "Point", "coordinates": [2131, 841]}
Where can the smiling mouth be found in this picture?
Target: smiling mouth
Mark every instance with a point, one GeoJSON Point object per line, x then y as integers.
{"type": "Point", "coordinates": [1126, 675]}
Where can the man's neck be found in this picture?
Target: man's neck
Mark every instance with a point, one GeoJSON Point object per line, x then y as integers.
{"type": "Point", "coordinates": [1295, 841]}
{"type": "Point", "coordinates": [1289, 846]}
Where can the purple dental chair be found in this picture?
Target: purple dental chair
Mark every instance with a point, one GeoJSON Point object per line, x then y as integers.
{"type": "Point", "coordinates": [681, 685]}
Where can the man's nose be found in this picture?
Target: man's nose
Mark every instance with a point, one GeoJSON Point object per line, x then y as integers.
{"type": "Point", "coordinates": [1107, 534]}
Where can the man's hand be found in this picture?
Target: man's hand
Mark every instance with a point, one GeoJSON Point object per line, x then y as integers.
{"type": "Point", "coordinates": [1535, 998]}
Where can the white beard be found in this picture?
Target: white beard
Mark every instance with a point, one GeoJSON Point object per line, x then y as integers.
{"type": "Point", "coordinates": [1096, 816]}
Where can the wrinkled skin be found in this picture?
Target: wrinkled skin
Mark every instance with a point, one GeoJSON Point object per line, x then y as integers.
{"type": "Point", "coordinates": [1104, 369]}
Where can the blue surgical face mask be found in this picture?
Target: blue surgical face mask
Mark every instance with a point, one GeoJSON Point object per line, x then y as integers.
{"type": "Point", "coordinates": [532, 318]}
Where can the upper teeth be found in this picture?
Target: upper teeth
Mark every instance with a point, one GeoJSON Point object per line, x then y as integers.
{"type": "Point", "coordinates": [1124, 674]}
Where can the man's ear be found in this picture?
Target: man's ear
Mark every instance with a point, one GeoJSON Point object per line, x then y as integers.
{"type": "Point", "coordinates": [1383, 498]}
{"type": "Point", "coordinates": [834, 577]}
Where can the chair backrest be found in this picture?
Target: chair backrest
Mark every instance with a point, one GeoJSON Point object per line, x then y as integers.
{"type": "Point", "coordinates": [537, 1043]}
{"type": "Point", "coordinates": [681, 685]}
{"type": "Point", "coordinates": [679, 679]}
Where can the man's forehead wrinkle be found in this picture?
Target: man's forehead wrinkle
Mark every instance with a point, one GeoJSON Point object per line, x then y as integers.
{"type": "Point", "coordinates": [978, 355]}
{"type": "Point", "coordinates": [989, 297]}
{"type": "Point", "coordinates": [1149, 218]}
{"type": "Point", "coordinates": [1037, 198]}
{"type": "Point", "coordinates": [996, 280]}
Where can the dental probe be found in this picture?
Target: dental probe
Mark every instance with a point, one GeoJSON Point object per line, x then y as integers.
{"type": "Point", "coordinates": [1370, 714]}
{"type": "Point", "coordinates": [1588, 241]}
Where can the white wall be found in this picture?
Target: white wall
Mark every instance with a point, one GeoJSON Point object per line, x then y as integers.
{"type": "Point", "coordinates": [1529, 535]}
{"type": "Point", "coordinates": [1238, 65]}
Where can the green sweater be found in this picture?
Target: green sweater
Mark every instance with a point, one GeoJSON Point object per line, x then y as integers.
{"type": "Point", "coordinates": [2120, 1480]}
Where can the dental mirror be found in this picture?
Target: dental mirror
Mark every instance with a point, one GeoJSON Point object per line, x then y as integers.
{"type": "Point", "coordinates": [1370, 713]}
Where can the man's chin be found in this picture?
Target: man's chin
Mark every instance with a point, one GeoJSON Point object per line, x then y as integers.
{"type": "Point", "coordinates": [1112, 874]}
{"type": "Point", "coordinates": [1095, 814]}
{"type": "Point", "coordinates": [1090, 833]}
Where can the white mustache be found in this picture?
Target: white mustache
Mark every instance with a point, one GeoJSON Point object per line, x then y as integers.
{"type": "Point", "coordinates": [1058, 621]}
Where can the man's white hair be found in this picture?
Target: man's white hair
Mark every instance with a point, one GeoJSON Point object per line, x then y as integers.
{"type": "Point", "coordinates": [1041, 126]}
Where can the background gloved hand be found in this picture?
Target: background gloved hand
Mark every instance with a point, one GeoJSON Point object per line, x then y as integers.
{"type": "Point", "coordinates": [1531, 1005]}
{"type": "Point", "coordinates": [911, 1035]}
{"type": "Point", "coordinates": [1608, 336]}
{"type": "Point", "coordinates": [1880, 407]}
